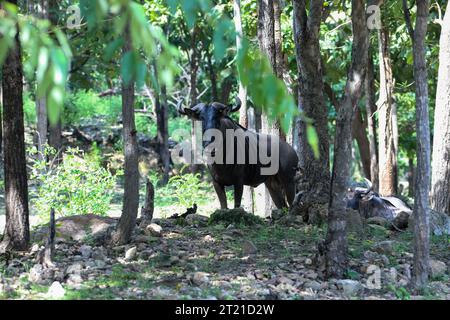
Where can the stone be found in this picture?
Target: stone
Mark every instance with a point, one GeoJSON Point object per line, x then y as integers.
{"type": "Point", "coordinates": [385, 247]}
{"type": "Point", "coordinates": [86, 251]}
{"type": "Point", "coordinates": [200, 278]}
{"type": "Point", "coordinates": [74, 268]}
{"type": "Point", "coordinates": [100, 264]}
{"type": "Point", "coordinates": [74, 279]}
{"type": "Point", "coordinates": [349, 287]}
{"type": "Point", "coordinates": [308, 261]}
{"type": "Point", "coordinates": [380, 221]}
{"type": "Point", "coordinates": [98, 254]}
{"type": "Point", "coordinates": [313, 285]}
{"type": "Point", "coordinates": [248, 248]}
{"type": "Point", "coordinates": [437, 268]}
{"type": "Point", "coordinates": [77, 228]}
{"type": "Point", "coordinates": [36, 273]}
{"type": "Point", "coordinates": [56, 291]}
{"type": "Point", "coordinates": [154, 230]}
{"type": "Point", "coordinates": [130, 254]}
{"type": "Point", "coordinates": [196, 220]}
{"type": "Point", "coordinates": [285, 280]}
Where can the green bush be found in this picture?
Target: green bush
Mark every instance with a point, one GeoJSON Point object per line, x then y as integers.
{"type": "Point", "coordinates": [79, 185]}
{"type": "Point", "coordinates": [84, 105]}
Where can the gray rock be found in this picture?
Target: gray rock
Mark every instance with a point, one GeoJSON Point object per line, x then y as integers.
{"type": "Point", "coordinates": [349, 287]}
{"type": "Point", "coordinates": [437, 268]}
{"type": "Point", "coordinates": [380, 221]}
{"type": "Point", "coordinates": [86, 251]}
{"type": "Point", "coordinates": [154, 230]}
{"type": "Point", "coordinates": [200, 278]}
{"type": "Point", "coordinates": [74, 280]}
{"type": "Point", "coordinates": [56, 291]}
{"type": "Point", "coordinates": [313, 285]}
{"type": "Point", "coordinates": [74, 268]}
{"type": "Point", "coordinates": [100, 264]}
{"type": "Point", "coordinates": [385, 247]}
{"type": "Point", "coordinates": [36, 273]}
{"type": "Point", "coordinates": [196, 220]}
{"type": "Point", "coordinates": [131, 254]}
{"type": "Point", "coordinates": [248, 248]}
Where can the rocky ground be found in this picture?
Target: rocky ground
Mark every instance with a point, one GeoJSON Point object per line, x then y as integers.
{"type": "Point", "coordinates": [194, 259]}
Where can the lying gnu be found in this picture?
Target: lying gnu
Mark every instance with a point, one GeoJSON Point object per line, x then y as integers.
{"type": "Point", "coordinates": [254, 170]}
{"type": "Point", "coordinates": [370, 204]}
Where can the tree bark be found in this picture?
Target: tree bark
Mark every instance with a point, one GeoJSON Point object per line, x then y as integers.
{"type": "Point", "coordinates": [55, 130]}
{"type": "Point", "coordinates": [336, 241]}
{"type": "Point", "coordinates": [127, 220]}
{"type": "Point", "coordinates": [359, 127]}
{"type": "Point", "coordinates": [247, 195]}
{"type": "Point", "coordinates": [311, 96]}
{"type": "Point", "coordinates": [440, 191]}
{"type": "Point", "coordinates": [17, 229]}
{"type": "Point", "coordinates": [371, 121]}
{"type": "Point", "coordinates": [423, 173]}
{"type": "Point", "coordinates": [162, 124]}
{"type": "Point", "coordinates": [149, 204]}
{"type": "Point", "coordinates": [387, 151]}
{"type": "Point", "coordinates": [269, 39]}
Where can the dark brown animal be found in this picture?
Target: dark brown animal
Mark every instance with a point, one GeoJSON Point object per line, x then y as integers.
{"type": "Point", "coordinates": [232, 172]}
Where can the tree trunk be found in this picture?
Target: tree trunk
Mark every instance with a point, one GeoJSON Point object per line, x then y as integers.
{"type": "Point", "coordinates": [212, 77]}
{"type": "Point", "coordinates": [269, 39]}
{"type": "Point", "coordinates": [411, 177]}
{"type": "Point", "coordinates": [423, 173]}
{"type": "Point", "coordinates": [17, 229]}
{"type": "Point", "coordinates": [336, 241]}
{"type": "Point", "coordinates": [440, 192]}
{"type": "Point", "coordinates": [193, 64]}
{"type": "Point", "coordinates": [311, 97]}
{"type": "Point", "coordinates": [41, 103]}
{"type": "Point", "coordinates": [149, 204]}
{"type": "Point", "coordinates": [162, 127]}
{"type": "Point", "coordinates": [127, 220]}
{"type": "Point", "coordinates": [247, 195]}
{"type": "Point", "coordinates": [387, 152]}
{"type": "Point", "coordinates": [359, 127]}
{"type": "Point", "coordinates": [55, 129]}
{"type": "Point", "coordinates": [371, 121]}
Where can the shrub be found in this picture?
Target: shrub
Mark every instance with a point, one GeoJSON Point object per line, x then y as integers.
{"type": "Point", "coordinates": [79, 185]}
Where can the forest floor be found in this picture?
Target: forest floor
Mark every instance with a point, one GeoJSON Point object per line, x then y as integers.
{"type": "Point", "coordinates": [194, 259]}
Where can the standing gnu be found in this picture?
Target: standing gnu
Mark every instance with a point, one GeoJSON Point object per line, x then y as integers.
{"type": "Point", "coordinates": [238, 156]}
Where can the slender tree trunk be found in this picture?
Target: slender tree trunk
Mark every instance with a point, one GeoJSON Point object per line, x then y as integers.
{"type": "Point", "coordinates": [247, 195]}
{"type": "Point", "coordinates": [371, 121]}
{"type": "Point", "coordinates": [1, 116]}
{"type": "Point", "coordinates": [193, 63]}
{"type": "Point", "coordinates": [127, 220]}
{"type": "Point", "coordinates": [311, 97]}
{"type": "Point", "coordinates": [269, 38]}
{"type": "Point", "coordinates": [212, 78]}
{"type": "Point", "coordinates": [336, 241]}
{"type": "Point", "coordinates": [411, 177]}
{"type": "Point", "coordinates": [359, 127]}
{"type": "Point", "coordinates": [162, 125]}
{"type": "Point", "coordinates": [423, 173]}
{"type": "Point", "coordinates": [55, 130]}
{"type": "Point", "coordinates": [17, 229]}
{"type": "Point", "coordinates": [440, 191]}
{"type": "Point", "coordinates": [149, 204]}
{"type": "Point", "coordinates": [387, 151]}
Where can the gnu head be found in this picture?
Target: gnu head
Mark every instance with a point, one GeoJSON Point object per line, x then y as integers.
{"type": "Point", "coordinates": [209, 114]}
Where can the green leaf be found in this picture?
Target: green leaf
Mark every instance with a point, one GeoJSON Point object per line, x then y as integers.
{"type": "Point", "coordinates": [313, 140]}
